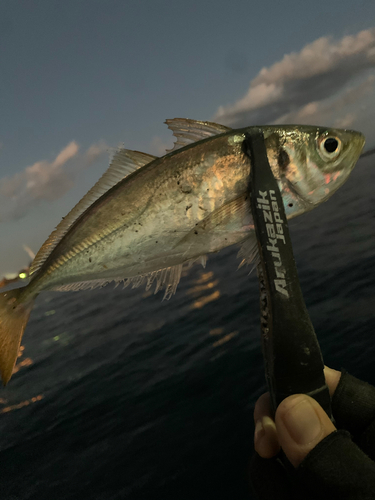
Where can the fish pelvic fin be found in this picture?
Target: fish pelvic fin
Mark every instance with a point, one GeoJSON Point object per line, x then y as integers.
{"type": "Point", "coordinates": [249, 253]}
{"type": "Point", "coordinates": [14, 316]}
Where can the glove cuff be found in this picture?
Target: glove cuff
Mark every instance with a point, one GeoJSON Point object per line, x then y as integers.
{"type": "Point", "coordinates": [337, 469]}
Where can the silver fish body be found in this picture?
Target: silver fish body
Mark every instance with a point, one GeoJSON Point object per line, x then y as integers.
{"type": "Point", "coordinates": [164, 213]}
{"type": "Point", "coordinates": [176, 209]}
{"type": "Point", "coordinates": [147, 221]}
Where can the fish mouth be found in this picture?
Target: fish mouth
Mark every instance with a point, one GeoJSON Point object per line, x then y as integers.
{"type": "Point", "coordinates": [349, 162]}
{"type": "Point", "coordinates": [360, 143]}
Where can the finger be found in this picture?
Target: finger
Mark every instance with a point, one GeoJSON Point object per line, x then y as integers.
{"type": "Point", "coordinates": [301, 424]}
{"type": "Point", "coordinates": [265, 437]}
{"type": "Point", "coordinates": [263, 407]}
{"type": "Point", "coordinates": [332, 378]}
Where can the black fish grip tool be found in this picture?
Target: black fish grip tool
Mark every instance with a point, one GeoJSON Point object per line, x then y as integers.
{"type": "Point", "coordinates": [292, 356]}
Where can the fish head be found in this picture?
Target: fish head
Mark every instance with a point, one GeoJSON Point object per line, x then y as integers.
{"type": "Point", "coordinates": [311, 163]}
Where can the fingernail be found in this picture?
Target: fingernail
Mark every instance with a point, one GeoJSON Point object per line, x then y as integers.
{"type": "Point", "coordinates": [259, 432]}
{"type": "Point", "coordinates": [266, 443]}
{"type": "Point", "coordinates": [268, 424]}
{"type": "Point", "coordinates": [302, 422]}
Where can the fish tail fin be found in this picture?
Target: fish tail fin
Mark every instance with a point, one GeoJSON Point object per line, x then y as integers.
{"type": "Point", "coordinates": [14, 316]}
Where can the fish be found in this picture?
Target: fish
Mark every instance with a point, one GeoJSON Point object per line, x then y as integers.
{"type": "Point", "coordinates": [147, 217]}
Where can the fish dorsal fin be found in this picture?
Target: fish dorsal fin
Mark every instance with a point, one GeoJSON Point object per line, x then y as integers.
{"type": "Point", "coordinates": [123, 163]}
{"type": "Point", "coordinates": [188, 131]}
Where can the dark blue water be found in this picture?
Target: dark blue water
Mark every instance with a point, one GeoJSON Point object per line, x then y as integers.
{"type": "Point", "coordinates": [119, 395]}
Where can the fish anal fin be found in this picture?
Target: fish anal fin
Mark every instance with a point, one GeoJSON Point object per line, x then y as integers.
{"type": "Point", "coordinates": [84, 285]}
{"type": "Point", "coordinates": [167, 279]}
{"type": "Point", "coordinates": [188, 131]}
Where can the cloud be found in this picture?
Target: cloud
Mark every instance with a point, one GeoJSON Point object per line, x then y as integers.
{"type": "Point", "coordinates": [301, 82]}
{"type": "Point", "coordinates": [159, 147]}
{"type": "Point", "coordinates": [338, 106]}
{"type": "Point", "coordinates": [346, 121]}
{"type": "Point", "coordinates": [44, 180]}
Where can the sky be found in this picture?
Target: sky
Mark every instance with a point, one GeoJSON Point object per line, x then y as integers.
{"type": "Point", "coordinates": [79, 78]}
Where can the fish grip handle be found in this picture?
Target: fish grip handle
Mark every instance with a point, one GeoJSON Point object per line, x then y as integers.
{"type": "Point", "coordinates": [292, 356]}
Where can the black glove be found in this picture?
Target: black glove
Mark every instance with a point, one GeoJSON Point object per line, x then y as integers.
{"type": "Point", "coordinates": [340, 466]}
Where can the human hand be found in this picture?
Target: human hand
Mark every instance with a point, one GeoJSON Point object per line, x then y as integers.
{"type": "Point", "coordinates": [327, 464]}
{"type": "Point", "coordinates": [300, 424]}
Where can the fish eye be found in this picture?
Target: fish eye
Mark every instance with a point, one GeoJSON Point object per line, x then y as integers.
{"type": "Point", "coordinates": [331, 144]}
{"type": "Point", "coordinates": [329, 147]}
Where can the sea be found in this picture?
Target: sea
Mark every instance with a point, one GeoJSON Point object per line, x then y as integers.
{"type": "Point", "coordinates": [120, 395]}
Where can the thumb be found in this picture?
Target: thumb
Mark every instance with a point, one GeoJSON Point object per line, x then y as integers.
{"type": "Point", "coordinates": [301, 423]}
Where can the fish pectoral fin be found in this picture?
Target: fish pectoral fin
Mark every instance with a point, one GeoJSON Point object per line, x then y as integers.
{"type": "Point", "coordinates": [221, 218]}
{"type": "Point", "coordinates": [239, 207]}
{"type": "Point", "coordinates": [188, 131]}
{"type": "Point", "coordinates": [123, 163]}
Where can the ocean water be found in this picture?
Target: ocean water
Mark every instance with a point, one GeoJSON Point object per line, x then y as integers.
{"type": "Point", "coordinates": [120, 395]}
